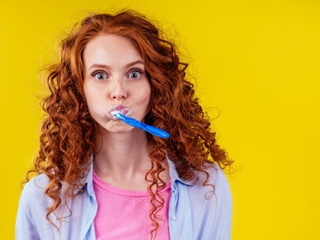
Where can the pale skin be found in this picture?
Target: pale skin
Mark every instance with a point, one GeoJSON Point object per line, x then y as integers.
{"type": "Point", "coordinates": [115, 78]}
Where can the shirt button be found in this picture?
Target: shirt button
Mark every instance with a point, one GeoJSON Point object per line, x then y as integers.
{"type": "Point", "coordinates": [173, 218]}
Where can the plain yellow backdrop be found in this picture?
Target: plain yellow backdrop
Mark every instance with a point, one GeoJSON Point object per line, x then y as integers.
{"type": "Point", "coordinates": [256, 65]}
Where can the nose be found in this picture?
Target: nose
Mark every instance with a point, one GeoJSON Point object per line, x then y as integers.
{"type": "Point", "coordinates": [118, 91]}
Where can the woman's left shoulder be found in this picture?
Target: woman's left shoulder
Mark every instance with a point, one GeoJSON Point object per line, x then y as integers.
{"type": "Point", "coordinates": [216, 175]}
{"type": "Point", "coordinates": [216, 178]}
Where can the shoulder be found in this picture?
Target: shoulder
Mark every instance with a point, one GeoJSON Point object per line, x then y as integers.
{"type": "Point", "coordinates": [212, 183]}
{"type": "Point", "coordinates": [36, 186]}
{"type": "Point", "coordinates": [33, 194]}
{"type": "Point", "coordinates": [217, 179]}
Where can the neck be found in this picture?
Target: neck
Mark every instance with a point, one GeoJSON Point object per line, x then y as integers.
{"type": "Point", "coordinates": [121, 155]}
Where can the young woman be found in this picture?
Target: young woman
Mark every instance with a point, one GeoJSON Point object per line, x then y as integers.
{"type": "Point", "coordinates": [100, 178]}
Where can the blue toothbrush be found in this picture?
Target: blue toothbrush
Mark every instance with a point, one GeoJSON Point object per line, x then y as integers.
{"type": "Point", "coordinates": [135, 123]}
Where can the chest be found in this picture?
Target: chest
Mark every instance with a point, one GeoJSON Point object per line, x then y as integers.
{"type": "Point", "coordinates": [123, 214]}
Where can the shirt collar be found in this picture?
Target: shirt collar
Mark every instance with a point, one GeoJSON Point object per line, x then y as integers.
{"type": "Point", "coordinates": [175, 176]}
{"type": "Point", "coordinates": [87, 181]}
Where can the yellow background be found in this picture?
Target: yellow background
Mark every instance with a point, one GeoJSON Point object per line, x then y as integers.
{"type": "Point", "coordinates": [257, 63]}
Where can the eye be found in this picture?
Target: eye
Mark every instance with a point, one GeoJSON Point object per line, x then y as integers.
{"type": "Point", "coordinates": [100, 75]}
{"type": "Point", "coordinates": [135, 74]}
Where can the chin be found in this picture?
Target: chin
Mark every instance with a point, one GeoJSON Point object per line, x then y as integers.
{"type": "Point", "coordinates": [116, 127]}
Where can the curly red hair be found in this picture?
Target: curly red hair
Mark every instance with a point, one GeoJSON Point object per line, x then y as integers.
{"type": "Point", "coordinates": [67, 139]}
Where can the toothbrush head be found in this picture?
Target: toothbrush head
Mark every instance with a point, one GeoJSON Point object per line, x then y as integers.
{"type": "Point", "coordinates": [115, 114]}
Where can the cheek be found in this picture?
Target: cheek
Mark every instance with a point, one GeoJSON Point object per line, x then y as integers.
{"type": "Point", "coordinates": [145, 94]}
{"type": "Point", "coordinates": [88, 95]}
{"type": "Point", "coordinates": [91, 96]}
{"type": "Point", "coordinates": [86, 89]}
{"type": "Point", "coordinates": [92, 92]}
{"type": "Point", "coordinates": [146, 98]}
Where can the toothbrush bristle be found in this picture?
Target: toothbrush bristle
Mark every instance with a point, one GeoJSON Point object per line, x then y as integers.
{"type": "Point", "coordinates": [115, 114]}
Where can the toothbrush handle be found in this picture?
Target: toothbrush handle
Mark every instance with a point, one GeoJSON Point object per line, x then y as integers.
{"type": "Point", "coordinates": [151, 129]}
{"type": "Point", "coordinates": [155, 131]}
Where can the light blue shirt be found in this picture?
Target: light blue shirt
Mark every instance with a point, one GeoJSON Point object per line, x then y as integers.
{"type": "Point", "coordinates": [191, 215]}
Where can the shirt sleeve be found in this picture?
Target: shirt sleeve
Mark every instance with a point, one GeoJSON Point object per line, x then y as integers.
{"type": "Point", "coordinates": [25, 228]}
{"type": "Point", "coordinates": [224, 209]}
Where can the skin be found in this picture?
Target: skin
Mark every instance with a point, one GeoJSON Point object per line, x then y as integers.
{"type": "Point", "coordinates": [115, 78]}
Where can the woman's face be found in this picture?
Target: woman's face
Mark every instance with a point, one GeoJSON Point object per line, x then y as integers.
{"type": "Point", "coordinates": [115, 79]}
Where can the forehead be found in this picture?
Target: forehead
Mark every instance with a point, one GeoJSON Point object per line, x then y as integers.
{"type": "Point", "coordinates": [109, 48]}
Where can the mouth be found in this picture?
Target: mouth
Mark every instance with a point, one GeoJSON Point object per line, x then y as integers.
{"type": "Point", "coordinates": [120, 108]}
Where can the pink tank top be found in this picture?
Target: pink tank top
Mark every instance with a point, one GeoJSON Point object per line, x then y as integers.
{"type": "Point", "coordinates": [124, 214]}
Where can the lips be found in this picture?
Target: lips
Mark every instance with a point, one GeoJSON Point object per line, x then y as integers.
{"type": "Point", "coordinates": [123, 109]}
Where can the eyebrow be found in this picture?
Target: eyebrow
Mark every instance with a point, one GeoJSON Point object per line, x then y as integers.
{"type": "Point", "coordinates": [97, 65]}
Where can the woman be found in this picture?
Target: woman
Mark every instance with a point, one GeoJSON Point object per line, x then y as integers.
{"type": "Point", "coordinates": [99, 178]}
